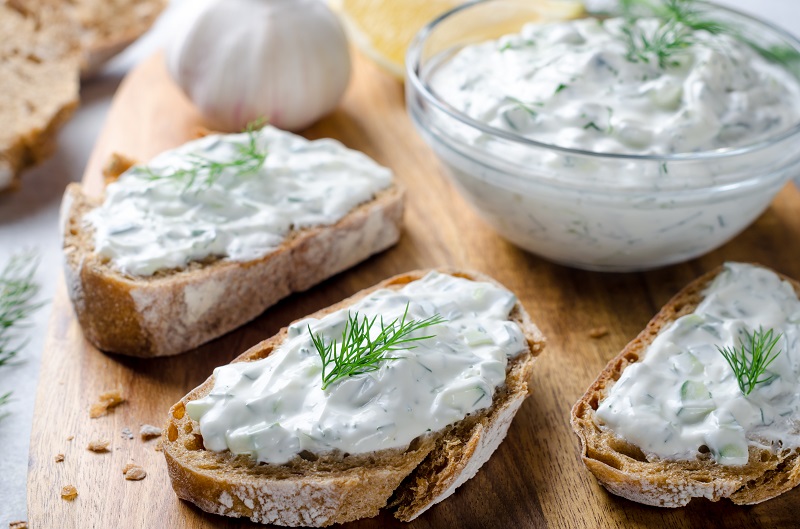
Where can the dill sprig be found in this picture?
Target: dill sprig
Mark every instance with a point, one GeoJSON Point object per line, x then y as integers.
{"type": "Point", "coordinates": [751, 358]}
{"type": "Point", "coordinates": [357, 353]}
{"type": "Point", "coordinates": [18, 291]}
{"type": "Point", "coordinates": [680, 19]}
{"type": "Point", "coordinates": [249, 159]}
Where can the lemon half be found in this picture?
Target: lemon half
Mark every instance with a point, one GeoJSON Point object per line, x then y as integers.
{"type": "Point", "coordinates": [383, 29]}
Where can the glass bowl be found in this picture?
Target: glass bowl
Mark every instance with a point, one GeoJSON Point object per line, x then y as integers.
{"type": "Point", "coordinates": [607, 212]}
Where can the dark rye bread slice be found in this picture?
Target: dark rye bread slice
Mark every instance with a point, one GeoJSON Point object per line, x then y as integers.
{"type": "Point", "coordinates": [323, 489]}
{"type": "Point", "coordinates": [623, 469]}
{"type": "Point", "coordinates": [173, 311]}
{"type": "Point", "coordinates": [39, 83]}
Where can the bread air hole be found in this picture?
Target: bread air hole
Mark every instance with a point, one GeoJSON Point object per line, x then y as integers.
{"type": "Point", "coordinates": [172, 433]}
{"type": "Point", "coordinates": [308, 456]}
{"type": "Point", "coordinates": [179, 411]}
{"type": "Point", "coordinates": [702, 478]}
{"type": "Point", "coordinates": [627, 449]}
{"type": "Point", "coordinates": [414, 445]}
{"type": "Point", "coordinates": [703, 449]}
{"type": "Point", "coordinates": [187, 428]}
{"type": "Point", "coordinates": [607, 459]}
{"type": "Point", "coordinates": [194, 442]}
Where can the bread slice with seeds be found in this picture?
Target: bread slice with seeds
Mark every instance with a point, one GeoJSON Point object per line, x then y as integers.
{"type": "Point", "coordinates": [624, 469]}
{"type": "Point", "coordinates": [322, 489]}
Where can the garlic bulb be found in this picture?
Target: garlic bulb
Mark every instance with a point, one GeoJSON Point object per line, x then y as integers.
{"type": "Point", "coordinates": [243, 60]}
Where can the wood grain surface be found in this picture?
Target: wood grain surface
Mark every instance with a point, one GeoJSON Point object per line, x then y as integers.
{"type": "Point", "coordinates": [534, 480]}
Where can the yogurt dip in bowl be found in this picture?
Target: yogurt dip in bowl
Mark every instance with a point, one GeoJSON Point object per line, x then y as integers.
{"type": "Point", "coordinates": [610, 143]}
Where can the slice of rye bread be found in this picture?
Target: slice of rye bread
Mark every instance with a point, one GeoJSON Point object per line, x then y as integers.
{"type": "Point", "coordinates": [109, 26]}
{"type": "Point", "coordinates": [39, 84]}
{"type": "Point", "coordinates": [323, 489]}
{"type": "Point", "coordinates": [173, 311]}
{"type": "Point", "coordinates": [623, 468]}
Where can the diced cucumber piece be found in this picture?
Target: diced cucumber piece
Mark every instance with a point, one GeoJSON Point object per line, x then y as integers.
{"type": "Point", "coordinates": [477, 337]}
{"type": "Point", "coordinates": [733, 454]}
{"type": "Point", "coordinates": [694, 391]}
{"type": "Point", "coordinates": [691, 414]}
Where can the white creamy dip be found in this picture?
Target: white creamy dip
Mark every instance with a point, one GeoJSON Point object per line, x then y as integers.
{"type": "Point", "coordinates": [683, 394]}
{"type": "Point", "coordinates": [573, 84]}
{"type": "Point", "coordinates": [148, 224]}
{"type": "Point", "coordinates": [273, 409]}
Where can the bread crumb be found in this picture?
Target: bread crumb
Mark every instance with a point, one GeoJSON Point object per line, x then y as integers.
{"type": "Point", "coordinates": [18, 525]}
{"type": "Point", "coordinates": [70, 438]}
{"type": "Point", "coordinates": [148, 431]}
{"type": "Point", "coordinates": [598, 332]}
{"type": "Point", "coordinates": [60, 458]}
{"type": "Point", "coordinates": [159, 445]}
{"type": "Point", "coordinates": [105, 402]}
{"type": "Point", "coordinates": [134, 472]}
{"type": "Point", "coordinates": [100, 445]}
{"type": "Point", "coordinates": [68, 492]}
{"type": "Point", "coordinates": [127, 433]}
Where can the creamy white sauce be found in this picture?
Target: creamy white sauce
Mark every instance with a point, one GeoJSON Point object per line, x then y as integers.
{"type": "Point", "coordinates": [145, 224]}
{"type": "Point", "coordinates": [273, 409]}
{"type": "Point", "coordinates": [683, 394]}
{"type": "Point", "coordinates": [572, 84]}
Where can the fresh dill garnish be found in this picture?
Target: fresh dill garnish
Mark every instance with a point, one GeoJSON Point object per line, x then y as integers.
{"type": "Point", "coordinates": [751, 358]}
{"type": "Point", "coordinates": [357, 353]}
{"type": "Point", "coordinates": [249, 159]}
{"type": "Point", "coordinates": [680, 19]}
{"type": "Point", "coordinates": [592, 125]}
{"type": "Point", "coordinates": [17, 292]}
{"type": "Point", "coordinates": [561, 87]}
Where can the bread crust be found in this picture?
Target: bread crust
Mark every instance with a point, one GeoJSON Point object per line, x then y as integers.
{"type": "Point", "coordinates": [174, 311]}
{"type": "Point", "coordinates": [336, 489]}
{"type": "Point", "coordinates": [623, 468]}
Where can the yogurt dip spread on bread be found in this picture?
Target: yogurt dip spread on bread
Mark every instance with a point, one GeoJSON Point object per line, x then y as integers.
{"type": "Point", "coordinates": [149, 223]}
{"type": "Point", "coordinates": [274, 408]}
{"type": "Point", "coordinates": [682, 398]}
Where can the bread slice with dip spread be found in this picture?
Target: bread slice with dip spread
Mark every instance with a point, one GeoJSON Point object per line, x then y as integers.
{"type": "Point", "coordinates": [278, 438]}
{"type": "Point", "coordinates": [205, 237]}
{"type": "Point", "coordinates": [670, 419]}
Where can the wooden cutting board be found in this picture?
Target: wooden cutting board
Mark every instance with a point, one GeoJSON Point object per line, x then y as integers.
{"type": "Point", "coordinates": [535, 479]}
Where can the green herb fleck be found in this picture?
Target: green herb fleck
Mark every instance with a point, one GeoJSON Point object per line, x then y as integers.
{"type": "Point", "coordinates": [250, 158]}
{"type": "Point", "coordinates": [592, 125]}
{"type": "Point", "coordinates": [561, 87]}
{"type": "Point", "coordinates": [357, 353]}
{"type": "Point", "coordinates": [750, 360]}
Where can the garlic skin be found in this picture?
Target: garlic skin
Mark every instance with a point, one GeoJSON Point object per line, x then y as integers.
{"type": "Point", "coordinates": [239, 61]}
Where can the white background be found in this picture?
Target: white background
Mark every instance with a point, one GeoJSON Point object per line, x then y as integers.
{"type": "Point", "coordinates": [28, 219]}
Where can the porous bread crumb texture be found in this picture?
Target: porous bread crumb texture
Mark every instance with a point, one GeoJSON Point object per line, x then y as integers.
{"type": "Point", "coordinates": [322, 489]}
{"type": "Point", "coordinates": [39, 81]}
{"type": "Point", "coordinates": [69, 492]}
{"type": "Point", "coordinates": [99, 445]}
{"type": "Point", "coordinates": [625, 470]}
{"type": "Point", "coordinates": [59, 458]}
{"type": "Point", "coordinates": [18, 525]}
{"type": "Point", "coordinates": [107, 401]}
{"type": "Point", "coordinates": [176, 310]}
{"type": "Point", "coordinates": [108, 26]}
